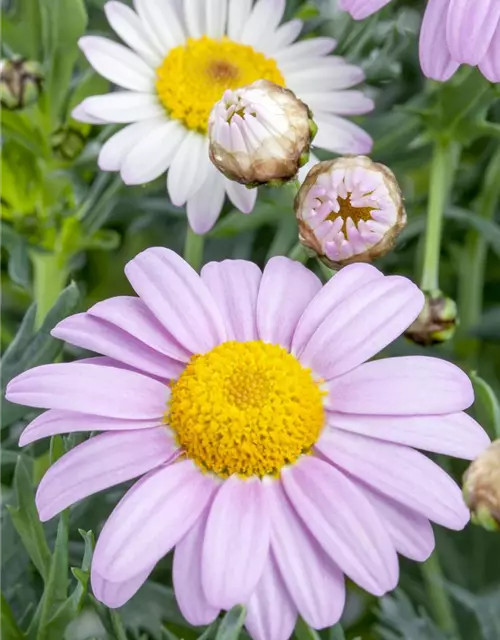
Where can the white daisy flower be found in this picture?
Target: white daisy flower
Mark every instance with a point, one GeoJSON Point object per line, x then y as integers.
{"type": "Point", "coordinates": [182, 57]}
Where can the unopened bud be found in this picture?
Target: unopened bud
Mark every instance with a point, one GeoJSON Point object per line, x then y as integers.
{"type": "Point", "coordinates": [260, 134]}
{"type": "Point", "coordinates": [69, 142]}
{"type": "Point", "coordinates": [481, 488]}
{"type": "Point", "coordinates": [437, 321]}
{"type": "Point", "coordinates": [349, 210]}
{"type": "Point", "coordinates": [20, 83]}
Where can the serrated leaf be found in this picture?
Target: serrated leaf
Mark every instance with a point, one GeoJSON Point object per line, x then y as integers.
{"type": "Point", "coordinates": [485, 608]}
{"type": "Point", "coordinates": [9, 629]}
{"type": "Point", "coordinates": [26, 522]}
{"type": "Point", "coordinates": [30, 349]}
{"type": "Point", "coordinates": [231, 624]}
{"type": "Point", "coordinates": [489, 402]}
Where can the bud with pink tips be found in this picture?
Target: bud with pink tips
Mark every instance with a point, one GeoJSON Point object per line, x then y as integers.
{"type": "Point", "coordinates": [260, 134]}
{"type": "Point", "coordinates": [349, 210]}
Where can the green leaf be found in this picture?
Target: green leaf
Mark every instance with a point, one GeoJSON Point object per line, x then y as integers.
{"type": "Point", "coordinates": [56, 586]}
{"type": "Point", "coordinates": [25, 519]}
{"type": "Point", "coordinates": [8, 625]}
{"type": "Point", "coordinates": [210, 631]}
{"type": "Point", "coordinates": [19, 263]}
{"type": "Point", "coordinates": [487, 228]}
{"type": "Point", "coordinates": [30, 349]}
{"type": "Point", "coordinates": [304, 632]}
{"type": "Point", "coordinates": [231, 624]}
{"type": "Point", "coordinates": [488, 400]}
{"type": "Point", "coordinates": [485, 608]}
{"type": "Point", "coordinates": [336, 633]}
{"type": "Point", "coordinates": [21, 28]}
{"type": "Point", "coordinates": [237, 222]}
{"type": "Point", "coordinates": [63, 23]}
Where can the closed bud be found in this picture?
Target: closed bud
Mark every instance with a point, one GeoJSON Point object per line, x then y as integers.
{"type": "Point", "coordinates": [481, 488]}
{"type": "Point", "coordinates": [437, 321]}
{"type": "Point", "coordinates": [69, 142]}
{"type": "Point", "coordinates": [349, 210]}
{"type": "Point", "coordinates": [20, 83]}
{"type": "Point", "coordinates": [260, 134]}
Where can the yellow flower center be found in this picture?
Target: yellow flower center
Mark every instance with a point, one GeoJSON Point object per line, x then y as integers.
{"type": "Point", "coordinates": [347, 210]}
{"type": "Point", "coordinates": [194, 76]}
{"type": "Point", "coordinates": [247, 408]}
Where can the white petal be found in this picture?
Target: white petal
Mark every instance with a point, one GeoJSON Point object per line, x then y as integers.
{"type": "Point", "coordinates": [264, 19]}
{"type": "Point", "coordinates": [239, 11]}
{"type": "Point", "coordinates": [152, 154]}
{"type": "Point", "coordinates": [328, 73]}
{"type": "Point", "coordinates": [117, 64]}
{"type": "Point", "coordinates": [115, 150]}
{"type": "Point", "coordinates": [341, 136]}
{"type": "Point", "coordinates": [161, 19]}
{"type": "Point", "coordinates": [123, 106]}
{"type": "Point", "coordinates": [305, 49]}
{"type": "Point", "coordinates": [216, 17]}
{"type": "Point", "coordinates": [344, 103]}
{"type": "Point", "coordinates": [127, 24]}
{"type": "Point", "coordinates": [189, 168]}
{"type": "Point", "coordinates": [194, 14]}
{"type": "Point", "coordinates": [284, 35]}
{"type": "Point", "coordinates": [81, 115]}
{"type": "Point", "coordinates": [205, 206]}
{"type": "Point", "coordinates": [242, 197]}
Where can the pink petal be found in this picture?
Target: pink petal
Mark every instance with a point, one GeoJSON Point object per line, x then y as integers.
{"type": "Point", "coordinates": [344, 284]}
{"type": "Point", "coordinates": [402, 386]}
{"type": "Point", "coordinates": [236, 543]}
{"type": "Point", "coordinates": [187, 576]}
{"type": "Point", "coordinates": [87, 332]}
{"type": "Point", "coordinates": [107, 391]}
{"type": "Point", "coordinates": [286, 289]}
{"type": "Point", "coordinates": [401, 473]}
{"type": "Point", "coordinates": [116, 594]}
{"type": "Point", "coordinates": [133, 316]}
{"type": "Point", "coordinates": [435, 57]}
{"type": "Point", "coordinates": [453, 434]}
{"type": "Point", "coordinates": [361, 9]}
{"type": "Point", "coordinates": [174, 292]}
{"type": "Point", "coordinates": [150, 519]}
{"type": "Point", "coordinates": [362, 325]}
{"type": "Point", "coordinates": [234, 285]}
{"type": "Point", "coordinates": [100, 463]}
{"type": "Point", "coordinates": [54, 421]}
{"type": "Point", "coordinates": [490, 64]}
{"type": "Point", "coordinates": [315, 584]}
{"type": "Point", "coordinates": [271, 614]}
{"type": "Point", "coordinates": [470, 27]}
{"type": "Point", "coordinates": [410, 532]}
{"type": "Point", "coordinates": [343, 522]}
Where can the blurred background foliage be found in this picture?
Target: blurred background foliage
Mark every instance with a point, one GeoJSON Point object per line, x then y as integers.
{"type": "Point", "coordinates": [68, 230]}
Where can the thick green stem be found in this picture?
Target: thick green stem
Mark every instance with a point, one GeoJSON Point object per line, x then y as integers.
{"type": "Point", "coordinates": [117, 623]}
{"type": "Point", "coordinates": [438, 596]}
{"type": "Point", "coordinates": [50, 275]}
{"type": "Point", "coordinates": [298, 253]}
{"type": "Point", "coordinates": [474, 262]}
{"type": "Point", "coordinates": [193, 249]}
{"type": "Point", "coordinates": [443, 162]}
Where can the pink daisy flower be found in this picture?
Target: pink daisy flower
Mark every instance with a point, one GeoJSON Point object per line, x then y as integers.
{"type": "Point", "coordinates": [454, 32]}
{"type": "Point", "coordinates": [275, 459]}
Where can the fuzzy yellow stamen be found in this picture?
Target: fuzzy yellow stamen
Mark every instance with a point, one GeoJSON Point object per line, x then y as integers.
{"type": "Point", "coordinates": [247, 408]}
{"type": "Point", "coordinates": [194, 76]}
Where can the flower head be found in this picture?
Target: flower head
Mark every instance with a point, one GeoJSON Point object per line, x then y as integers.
{"type": "Point", "coordinates": [260, 134]}
{"type": "Point", "coordinates": [20, 83]}
{"type": "Point", "coordinates": [349, 210]}
{"type": "Point", "coordinates": [181, 60]}
{"type": "Point", "coordinates": [482, 488]}
{"type": "Point", "coordinates": [275, 459]}
{"type": "Point", "coordinates": [454, 32]}
{"type": "Point", "coordinates": [436, 323]}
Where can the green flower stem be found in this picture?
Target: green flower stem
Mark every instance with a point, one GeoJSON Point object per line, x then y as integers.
{"type": "Point", "coordinates": [438, 596]}
{"type": "Point", "coordinates": [117, 623]}
{"type": "Point", "coordinates": [442, 169]}
{"type": "Point", "coordinates": [193, 249]}
{"type": "Point", "coordinates": [474, 262]}
{"type": "Point", "coordinates": [298, 253]}
{"type": "Point", "coordinates": [50, 275]}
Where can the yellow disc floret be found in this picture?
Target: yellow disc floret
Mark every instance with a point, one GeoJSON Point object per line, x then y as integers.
{"type": "Point", "coordinates": [194, 76]}
{"type": "Point", "coordinates": [247, 408]}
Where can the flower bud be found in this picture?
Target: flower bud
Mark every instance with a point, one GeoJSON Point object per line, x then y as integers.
{"type": "Point", "coordinates": [437, 321]}
{"type": "Point", "coordinates": [349, 210]}
{"type": "Point", "coordinates": [20, 83]}
{"type": "Point", "coordinates": [260, 134]}
{"type": "Point", "coordinates": [481, 488]}
{"type": "Point", "coordinates": [68, 142]}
